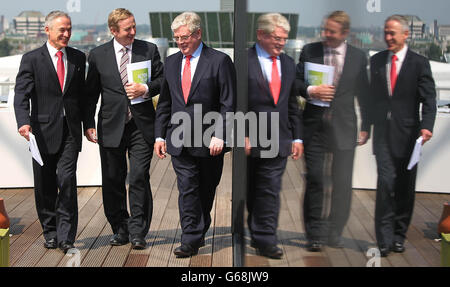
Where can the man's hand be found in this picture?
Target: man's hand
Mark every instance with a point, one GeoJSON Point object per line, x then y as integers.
{"type": "Point", "coordinates": [25, 131]}
{"type": "Point", "coordinates": [91, 135]}
{"type": "Point", "coordinates": [160, 149]}
{"type": "Point", "coordinates": [215, 146]}
{"type": "Point", "coordinates": [297, 150]}
{"type": "Point", "coordinates": [426, 135]}
{"type": "Point", "coordinates": [135, 90]}
{"type": "Point", "coordinates": [324, 93]}
{"type": "Point", "coordinates": [248, 146]}
{"type": "Point", "coordinates": [363, 137]}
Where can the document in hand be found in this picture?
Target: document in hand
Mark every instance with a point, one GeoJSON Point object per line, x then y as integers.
{"type": "Point", "coordinates": [35, 150]}
{"type": "Point", "coordinates": [140, 72]}
{"type": "Point", "coordinates": [318, 74]}
{"type": "Point", "coordinates": [415, 156]}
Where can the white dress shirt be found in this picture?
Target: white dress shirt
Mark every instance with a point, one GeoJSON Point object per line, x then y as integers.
{"type": "Point", "coordinates": [118, 52]}
{"type": "Point", "coordinates": [341, 50]}
{"type": "Point", "coordinates": [398, 63]}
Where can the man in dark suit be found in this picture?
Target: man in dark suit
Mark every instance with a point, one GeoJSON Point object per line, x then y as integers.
{"type": "Point", "coordinates": [125, 125]}
{"type": "Point", "coordinates": [272, 92]}
{"type": "Point", "coordinates": [401, 80]}
{"type": "Point", "coordinates": [52, 78]}
{"type": "Point", "coordinates": [331, 127]}
{"type": "Point", "coordinates": [197, 80]}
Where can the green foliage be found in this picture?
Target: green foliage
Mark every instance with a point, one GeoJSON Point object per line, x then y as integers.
{"type": "Point", "coordinates": [5, 48]}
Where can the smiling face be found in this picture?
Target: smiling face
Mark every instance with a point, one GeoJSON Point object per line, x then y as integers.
{"type": "Point", "coordinates": [126, 31]}
{"type": "Point", "coordinates": [395, 36]}
{"type": "Point", "coordinates": [59, 32]}
{"type": "Point", "coordinates": [333, 34]}
{"type": "Point", "coordinates": [188, 41]}
{"type": "Point", "coordinates": [274, 42]}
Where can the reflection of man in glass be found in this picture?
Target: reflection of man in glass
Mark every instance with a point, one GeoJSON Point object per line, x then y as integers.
{"type": "Point", "coordinates": [271, 89]}
{"type": "Point", "coordinates": [331, 127]}
{"type": "Point", "coordinates": [400, 81]}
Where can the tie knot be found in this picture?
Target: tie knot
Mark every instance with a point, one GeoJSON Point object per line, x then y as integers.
{"type": "Point", "coordinates": [334, 52]}
{"type": "Point", "coordinates": [188, 58]}
{"type": "Point", "coordinates": [59, 54]}
{"type": "Point", "coordinates": [394, 57]}
{"type": "Point", "coordinates": [124, 50]}
{"type": "Point", "coordinates": [274, 59]}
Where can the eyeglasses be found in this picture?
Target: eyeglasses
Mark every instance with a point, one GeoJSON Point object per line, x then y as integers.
{"type": "Point", "coordinates": [182, 38]}
{"type": "Point", "coordinates": [279, 39]}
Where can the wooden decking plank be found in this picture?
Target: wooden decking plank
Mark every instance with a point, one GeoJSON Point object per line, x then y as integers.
{"type": "Point", "coordinates": [6, 194]}
{"type": "Point", "coordinates": [222, 253]}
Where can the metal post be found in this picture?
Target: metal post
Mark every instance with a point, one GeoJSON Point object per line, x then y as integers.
{"type": "Point", "coordinates": [239, 173]}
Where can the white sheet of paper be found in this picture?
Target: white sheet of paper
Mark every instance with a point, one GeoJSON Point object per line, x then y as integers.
{"type": "Point", "coordinates": [318, 74]}
{"type": "Point", "coordinates": [35, 150]}
{"type": "Point", "coordinates": [140, 72]}
{"type": "Point", "coordinates": [415, 156]}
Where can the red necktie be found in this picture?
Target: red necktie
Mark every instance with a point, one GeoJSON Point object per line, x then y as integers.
{"type": "Point", "coordinates": [393, 72]}
{"type": "Point", "coordinates": [275, 84]}
{"type": "Point", "coordinates": [60, 69]}
{"type": "Point", "coordinates": [186, 80]}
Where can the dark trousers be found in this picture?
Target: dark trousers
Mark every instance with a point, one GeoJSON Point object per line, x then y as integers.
{"type": "Point", "coordinates": [263, 198]}
{"type": "Point", "coordinates": [114, 174]}
{"type": "Point", "coordinates": [395, 196]}
{"type": "Point", "coordinates": [197, 180]}
{"type": "Point", "coordinates": [316, 227]}
{"type": "Point", "coordinates": [58, 211]}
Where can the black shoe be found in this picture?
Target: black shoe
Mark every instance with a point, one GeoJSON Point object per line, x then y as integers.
{"type": "Point", "coordinates": [314, 246]}
{"type": "Point", "coordinates": [119, 239]}
{"type": "Point", "coordinates": [138, 243]}
{"type": "Point", "coordinates": [335, 242]}
{"type": "Point", "coordinates": [271, 251]}
{"type": "Point", "coordinates": [50, 244]}
{"type": "Point", "coordinates": [185, 250]}
{"type": "Point", "coordinates": [399, 247]}
{"type": "Point", "coordinates": [384, 250]}
{"type": "Point", "coordinates": [65, 245]}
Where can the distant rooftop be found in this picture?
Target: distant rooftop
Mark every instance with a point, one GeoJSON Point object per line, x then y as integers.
{"type": "Point", "coordinates": [413, 18]}
{"type": "Point", "coordinates": [31, 14]}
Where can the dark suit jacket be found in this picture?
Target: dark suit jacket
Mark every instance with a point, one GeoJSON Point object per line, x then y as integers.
{"type": "Point", "coordinates": [104, 78]}
{"type": "Point", "coordinates": [213, 87]}
{"type": "Point", "coordinates": [352, 83]}
{"type": "Point", "coordinates": [37, 81]}
{"type": "Point", "coordinates": [260, 99]}
{"type": "Point", "coordinates": [414, 85]}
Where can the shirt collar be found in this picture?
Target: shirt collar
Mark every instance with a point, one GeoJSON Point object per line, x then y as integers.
{"type": "Point", "coordinates": [400, 54]}
{"type": "Point", "coordinates": [52, 50]}
{"type": "Point", "coordinates": [341, 49]}
{"type": "Point", "coordinates": [118, 47]}
{"type": "Point", "coordinates": [197, 52]}
{"type": "Point", "coordinates": [263, 53]}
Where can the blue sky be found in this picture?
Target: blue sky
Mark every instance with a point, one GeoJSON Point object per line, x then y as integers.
{"type": "Point", "coordinates": [311, 11]}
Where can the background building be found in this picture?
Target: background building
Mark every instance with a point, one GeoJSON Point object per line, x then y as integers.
{"type": "Point", "coordinates": [30, 23]}
{"type": "Point", "coordinates": [416, 27]}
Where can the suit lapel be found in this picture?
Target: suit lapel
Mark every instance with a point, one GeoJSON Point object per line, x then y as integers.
{"type": "Point", "coordinates": [70, 70]}
{"type": "Point", "coordinates": [403, 70]}
{"type": "Point", "coordinates": [383, 72]}
{"type": "Point", "coordinates": [110, 57]}
{"type": "Point", "coordinates": [200, 70]}
{"type": "Point", "coordinates": [284, 75]}
{"type": "Point", "coordinates": [50, 67]}
{"type": "Point", "coordinates": [263, 84]}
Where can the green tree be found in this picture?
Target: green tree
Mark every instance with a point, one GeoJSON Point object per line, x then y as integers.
{"type": "Point", "coordinates": [434, 52]}
{"type": "Point", "coordinates": [5, 48]}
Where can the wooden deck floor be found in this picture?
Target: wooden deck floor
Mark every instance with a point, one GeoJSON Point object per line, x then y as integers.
{"type": "Point", "coordinates": [26, 243]}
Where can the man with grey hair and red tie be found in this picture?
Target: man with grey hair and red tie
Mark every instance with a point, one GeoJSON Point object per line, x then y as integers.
{"type": "Point", "coordinates": [197, 80]}
{"type": "Point", "coordinates": [403, 108]}
{"type": "Point", "coordinates": [51, 78]}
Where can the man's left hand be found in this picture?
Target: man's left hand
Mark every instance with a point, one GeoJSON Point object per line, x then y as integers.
{"type": "Point", "coordinates": [426, 135]}
{"type": "Point", "coordinates": [297, 150]}
{"type": "Point", "coordinates": [135, 90]}
{"type": "Point", "coordinates": [215, 146]}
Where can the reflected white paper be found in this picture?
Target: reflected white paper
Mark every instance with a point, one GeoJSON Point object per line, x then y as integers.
{"type": "Point", "coordinates": [318, 74]}
{"type": "Point", "coordinates": [415, 156]}
{"type": "Point", "coordinates": [140, 72]}
{"type": "Point", "coordinates": [35, 150]}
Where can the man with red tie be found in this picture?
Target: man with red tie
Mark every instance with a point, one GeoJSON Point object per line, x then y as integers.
{"type": "Point", "coordinates": [401, 82]}
{"type": "Point", "coordinates": [197, 80]}
{"type": "Point", "coordinates": [331, 128]}
{"type": "Point", "coordinates": [272, 98]}
{"type": "Point", "coordinates": [52, 78]}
